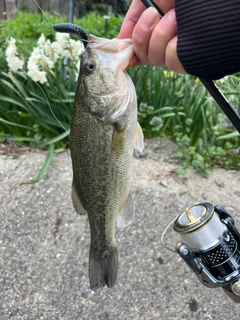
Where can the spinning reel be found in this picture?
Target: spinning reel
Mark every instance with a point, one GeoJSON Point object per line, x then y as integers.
{"type": "Point", "coordinates": [211, 247]}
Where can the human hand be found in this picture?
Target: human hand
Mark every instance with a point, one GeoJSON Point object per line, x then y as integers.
{"type": "Point", "coordinates": [154, 38]}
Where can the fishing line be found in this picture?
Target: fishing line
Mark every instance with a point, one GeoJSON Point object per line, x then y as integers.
{"type": "Point", "coordinates": [163, 235]}
{"type": "Point", "coordinates": [43, 12]}
{"type": "Point", "coordinates": [50, 108]}
{"type": "Point", "coordinates": [202, 237]}
{"type": "Point", "coordinates": [207, 235]}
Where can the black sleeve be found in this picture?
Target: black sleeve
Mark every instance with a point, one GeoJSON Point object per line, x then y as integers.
{"type": "Point", "coordinates": [209, 37]}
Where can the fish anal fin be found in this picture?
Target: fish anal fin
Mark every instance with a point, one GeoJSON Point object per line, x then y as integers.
{"type": "Point", "coordinates": [103, 270]}
{"type": "Point", "coordinates": [77, 202]}
{"type": "Point", "coordinates": [138, 138]}
{"type": "Point", "coordinates": [126, 213]}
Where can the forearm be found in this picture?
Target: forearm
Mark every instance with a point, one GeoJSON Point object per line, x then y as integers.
{"type": "Point", "coordinates": [208, 43]}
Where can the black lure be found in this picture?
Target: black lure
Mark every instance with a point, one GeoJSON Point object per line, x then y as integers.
{"type": "Point", "coordinates": [74, 29]}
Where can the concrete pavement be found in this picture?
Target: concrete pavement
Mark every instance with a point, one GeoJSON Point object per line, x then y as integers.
{"type": "Point", "coordinates": [44, 244]}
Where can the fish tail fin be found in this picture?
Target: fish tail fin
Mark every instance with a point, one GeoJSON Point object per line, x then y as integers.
{"type": "Point", "coordinates": [103, 270]}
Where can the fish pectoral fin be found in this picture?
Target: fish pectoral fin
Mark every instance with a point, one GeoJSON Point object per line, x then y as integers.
{"type": "Point", "coordinates": [103, 270]}
{"type": "Point", "coordinates": [76, 201]}
{"type": "Point", "coordinates": [138, 138]}
{"type": "Point", "coordinates": [126, 213]}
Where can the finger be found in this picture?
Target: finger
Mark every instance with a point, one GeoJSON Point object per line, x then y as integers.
{"type": "Point", "coordinates": [172, 61]}
{"type": "Point", "coordinates": [134, 61]}
{"type": "Point", "coordinates": [142, 33]}
{"type": "Point", "coordinates": [134, 13]}
{"type": "Point", "coordinates": [165, 5]}
{"type": "Point", "coordinates": [131, 18]}
{"type": "Point", "coordinates": [163, 32]}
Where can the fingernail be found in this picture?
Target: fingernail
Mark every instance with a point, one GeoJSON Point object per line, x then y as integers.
{"type": "Point", "coordinates": [149, 18]}
{"type": "Point", "coordinates": [171, 16]}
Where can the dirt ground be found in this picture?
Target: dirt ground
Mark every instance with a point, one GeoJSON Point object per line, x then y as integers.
{"type": "Point", "coordinates": [44, 244]}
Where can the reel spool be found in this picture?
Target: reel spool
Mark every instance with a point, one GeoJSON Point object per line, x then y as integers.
{"type": "Point", "coordinates": [210, 246]}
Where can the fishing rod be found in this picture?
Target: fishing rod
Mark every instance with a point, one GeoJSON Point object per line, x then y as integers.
{"type": "Point", "coordinates": [209, 84]}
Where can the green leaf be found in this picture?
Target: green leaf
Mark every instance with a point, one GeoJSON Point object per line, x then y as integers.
{"type": "Point", "coordinates": [16, 124]}
{"type": "Point", "coordinates": [42, 171]}
{"type": "Point", "coordinates": [12, 101]}
{"type": "Point", "coordinates": [229, 135]}
{"type": "Point", "coordinates": [178, 154]}
{"type": "Point", "coordinates": [18, 139]}
{"type": "Point", "coordinates": [56, 139]}
{"type": "Point", "coordinates": [180, 171]}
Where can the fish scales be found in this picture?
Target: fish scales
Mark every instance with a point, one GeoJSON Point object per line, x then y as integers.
{"type": "Point", "coordinates": [104, 131]}
{"type": "Point", "coordinates": [97, 164]}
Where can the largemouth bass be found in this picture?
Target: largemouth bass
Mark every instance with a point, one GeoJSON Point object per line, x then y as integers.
{"type": "Point", "coordinates": [104, 132]}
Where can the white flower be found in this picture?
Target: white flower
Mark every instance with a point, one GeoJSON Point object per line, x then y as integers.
{"type": "Point", "coordinates": [56, 48]}
{"type": "Point", "coordinates": [76, 48]}
{"type": "Point", "coordinates": [62, 38]}
{"type": "Point", "coordinates": [63, 41]}
{"type": "Point", "coordinates": [48, 49]}
{"type": "Point", "coordinates": [11, 50]}
{"type": "Point", "coordinates": [41, 40]}
{"type": "Point", "coordinates": [39, 60]}
{"type": "Point", "coordinates": [12, 58]}
{"type": "Point", "coordinates": [45, 55]}
{"type": "Point", "coordinates": [12, 41]}
{"type": "Point", "coordinates": [46, 62]}
{"type": "Point", "coordinates": [14, 63]}
{"type": "Point", "coordinates": [35, 56]}
{"type": "Point", "coordinates": [36, 75]}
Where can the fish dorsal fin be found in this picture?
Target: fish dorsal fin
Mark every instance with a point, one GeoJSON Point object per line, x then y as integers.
{"type": "Point", "coordinates": [138, 138]}
{"type": "Point", "coordinates": [76, 201]}
{"type": "Point", "coordinates": [126, 213]}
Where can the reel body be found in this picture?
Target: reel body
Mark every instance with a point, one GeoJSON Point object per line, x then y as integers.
{"type": "Point", "coordinates": [211, 247]}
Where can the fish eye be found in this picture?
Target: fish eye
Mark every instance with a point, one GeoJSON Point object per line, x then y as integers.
{"type": "Point", "coordinates": [89, 66]}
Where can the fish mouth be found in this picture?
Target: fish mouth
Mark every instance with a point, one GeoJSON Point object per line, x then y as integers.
{"type": "Point", "coordinates": [125, 52]}
{"type": "Point", "coordinates": [121, 47]}
{"type": "Point", "coordinates": [120, 50]}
